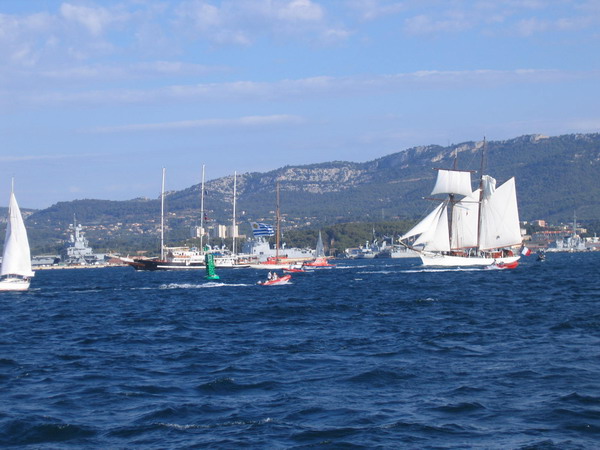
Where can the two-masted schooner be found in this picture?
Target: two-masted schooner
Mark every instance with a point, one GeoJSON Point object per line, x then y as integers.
{"type": "Point", "coordinates": [468, 228]}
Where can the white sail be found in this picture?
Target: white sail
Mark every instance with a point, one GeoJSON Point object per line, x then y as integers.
{"type": "Point", "coordinates": [16, 259]}
{"type": "Point", "coordinates": [452, 182]}
{"type": "Point", "coordinates": [436, 236]}
{"type": "Point", "coordinates": [427, 223]}
{"type": "Point", "coordinates": [500, 218]}
{"type": "Point", "coordinates": [489, 186]}
{"type": "Point", "coordinates": [465, 218]}
{"type": "Point", "coordinates": [439, 237]}
{"type": "Point", "coordinates": [320, 250]}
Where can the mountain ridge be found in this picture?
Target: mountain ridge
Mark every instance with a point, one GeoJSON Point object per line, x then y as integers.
{"type": "Point", "coordinates": [556, 176]}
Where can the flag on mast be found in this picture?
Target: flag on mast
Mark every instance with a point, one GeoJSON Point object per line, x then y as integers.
{"type": "Point", "coordinates": [262, 229]}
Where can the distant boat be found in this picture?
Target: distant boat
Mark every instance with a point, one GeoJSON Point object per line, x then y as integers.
{"type": "Point", "coordinates": [276, 281]}
{"type": "Point", "coordinates": [16, 273]}
{"type": "Point", "coordinates": [402, 252]}
{"type": "Point", "coordinates": [171, 258]}
{"type": "Point", "coordinates": [181, 258]}
{"type": "Point", "coordinates": [483, 224]}
{"type": "Point", "coordinates": [320, 258]}
{"type": "Point", "coordinates": [279, 261]}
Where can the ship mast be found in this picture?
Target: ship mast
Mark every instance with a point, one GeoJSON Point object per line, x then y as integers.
{"type": "Point", "coordinates": [233, 231]}
{"type": "Point", "coordinates": [482, 168]}
{"type": "Point", "coordinates": [162, 217]}
{"type": "Point", "coordinates": [202, 211]}
{"type": "Point", "coordinates": [452, 201]}
{"type": "Point", "coordinates": [278, 219]}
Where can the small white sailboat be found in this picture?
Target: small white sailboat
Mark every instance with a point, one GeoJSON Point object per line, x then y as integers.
{"type": "Point", "coordinates": [15, 273]}
{"type": "Point", "coordinates": [320, 258]}
{"type": "Point", "coordinates": [478, 229]}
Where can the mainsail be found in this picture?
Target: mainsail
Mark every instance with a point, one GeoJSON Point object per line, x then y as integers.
{"type": "Point", "coordinates": [500, 217]}
{"type": "Point", "coordinates": [16, 259]}
{"type": "Point", "coordinates": [465, 222]}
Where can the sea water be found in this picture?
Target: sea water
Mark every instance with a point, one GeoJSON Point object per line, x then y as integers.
{"type": "Point", "coordinates": [369, 354]}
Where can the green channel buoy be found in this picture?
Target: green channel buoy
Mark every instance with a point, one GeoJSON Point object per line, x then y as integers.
{"type": "Point", "coordinates": [209, 260]}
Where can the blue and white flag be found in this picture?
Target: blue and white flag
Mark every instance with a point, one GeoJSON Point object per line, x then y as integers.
{"type": "Point", "coordinates": [262, 229]}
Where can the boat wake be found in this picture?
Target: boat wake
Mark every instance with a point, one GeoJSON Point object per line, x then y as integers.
{"type": "Point", "coordinates": [443, 269]}
{"type": "Point", "coordinates": [210, 284]}
{"type": "Point", "coordinates": [384, 272]}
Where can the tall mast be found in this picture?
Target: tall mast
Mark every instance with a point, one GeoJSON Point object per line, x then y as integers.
{"type": "Point", "coordinates": [278, 219]}
{"type": "Point", "coordinates": [482, 168]}
{"type": "Point", "coordinates": [162, 216]}
{"type": "Point", "coordinates": [202, 211]}
{"type": "Point", "coordinates": [233, 233]}
{"type": "Point", "coordinates": [452, 202]}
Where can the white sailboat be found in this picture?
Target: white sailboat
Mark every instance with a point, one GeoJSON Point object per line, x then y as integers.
{"type": "Point", "coordinates": [477, 230]}
{"type": "Point", "coordinates": [16, 273]}
{"type": "Point", "coordinates": [320, 258]}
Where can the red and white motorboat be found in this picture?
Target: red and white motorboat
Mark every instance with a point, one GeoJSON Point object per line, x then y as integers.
{"type": "Point", "coordinates": [503, 265]}
{"type": "Point", "coordinates": [276, 281]}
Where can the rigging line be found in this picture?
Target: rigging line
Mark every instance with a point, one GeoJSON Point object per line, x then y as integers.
{"type": "Point", "coordinates": [472, 160]}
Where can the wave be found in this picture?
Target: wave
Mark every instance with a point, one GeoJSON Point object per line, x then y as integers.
{"type": "Point", "coordinates": [227, 385]}
{"type": "Point", "coordinates": [458, 408]}
{"type": "Point", "coordinates": [210, 284]}
{"type": "Point", "coordinates": [233, 423]}
{"type": "Point", "coordinates": [381, 377]}
{"type": "Point", "coordinates": [383, 272]}
{"type": "Point", "coordinates": [39, 430]}
{"type": "Point", "coordinates": [581, 399]}
{"type": "Point", "coordinates": [449, 269]}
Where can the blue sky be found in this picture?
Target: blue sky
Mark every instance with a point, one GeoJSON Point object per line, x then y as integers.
{"type": "Point", "coordinates": [97, 96]}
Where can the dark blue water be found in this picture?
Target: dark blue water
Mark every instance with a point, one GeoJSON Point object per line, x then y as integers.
{"type": "Point", "coordinates": [370, 354]}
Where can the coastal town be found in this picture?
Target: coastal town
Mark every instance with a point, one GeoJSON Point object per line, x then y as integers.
{"type": "Point", "coordinates": [78, 252]}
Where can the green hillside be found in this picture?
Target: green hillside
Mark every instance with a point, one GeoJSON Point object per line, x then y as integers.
{"type": "Point", "coordinates": [556, 177]}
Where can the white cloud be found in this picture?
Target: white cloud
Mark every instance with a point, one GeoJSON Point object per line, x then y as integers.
{"type": "Point", "coordinates": [299, 11]}
{"type": "Point", "coordinates": [242, 22]}
{"type": "Point", "coordinates": [526, 17]}
{"type": "Point", "coordinates": [95, 20]}
{"type": "Point", "coordinates": [374, 9]}
{"type": "Point", "coordinates": [128, 71]}
{"type": "Point", "coordinates": [310, 87]}
{"type": "Point", "coordinates": [9, 159]}
{"type": "Point", "coordinates": [248, 121]}
{"type": "Point", "coordinates": [531, 26]}
{"type": "Point", "coordinates": [424, 24]}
